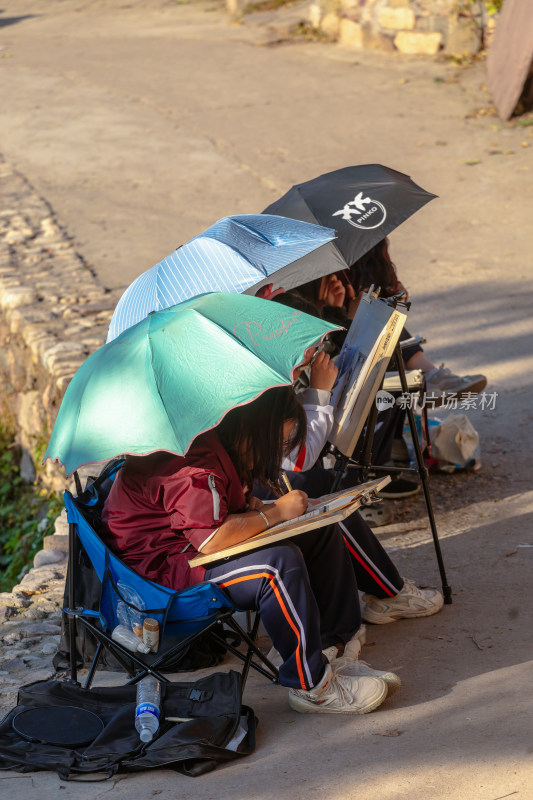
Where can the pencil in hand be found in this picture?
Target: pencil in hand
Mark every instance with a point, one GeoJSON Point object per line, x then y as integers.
{"type": "Point", "coordinates": [286, 481]}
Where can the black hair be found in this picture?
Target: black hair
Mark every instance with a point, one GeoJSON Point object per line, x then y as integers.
{"type": "Point", "coordinates": [375, 267]}
{"type": "Point", "coordinates": [310, 292]}
{"type": "Point", "coordinates": [294, 299]}
{"type": "Point", "coordinates": [256, 430]}
{"type": "Point", "coordinates": [337, 316]}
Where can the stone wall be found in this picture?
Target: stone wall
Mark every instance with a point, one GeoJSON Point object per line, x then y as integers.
{"type": "Point", "coordinates": [411, 27]}
{"type": "Point", "coordinates": [53, 314]}
{"type": "Point", "coordinates": [30, 618]}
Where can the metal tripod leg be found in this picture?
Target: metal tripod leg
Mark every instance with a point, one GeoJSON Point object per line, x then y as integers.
{"type": "Point", "coordinates": [422, 470]}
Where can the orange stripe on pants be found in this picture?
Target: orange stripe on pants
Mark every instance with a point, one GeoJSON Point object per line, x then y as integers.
{"type": "Point", "coordinates": [285, 614]}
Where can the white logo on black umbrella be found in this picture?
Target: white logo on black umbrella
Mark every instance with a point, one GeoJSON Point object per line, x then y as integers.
{"type": "Point", "coordinates": [363, 212]}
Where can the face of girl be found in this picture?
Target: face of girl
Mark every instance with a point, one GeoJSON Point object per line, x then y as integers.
{"type": "Point", "coordinates": [246, 453]}
{"type": "Point", "coordinates": [288, 428]}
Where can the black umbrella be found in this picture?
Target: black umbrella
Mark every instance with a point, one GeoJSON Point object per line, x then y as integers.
{"type": "Point", "coordinates": [363, 203]}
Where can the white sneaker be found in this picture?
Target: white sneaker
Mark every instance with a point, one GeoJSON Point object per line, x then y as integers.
{"type": "Point", "coordinates": [411, 602]}
{"type": "Point", "coordinates": [441, 380]}
{"type": "Point", "coordinates": [360, 669]}
{"type": "Point", "coordinates": [339, 694]}
{"type": "Point", "coordinates": [350, 664]}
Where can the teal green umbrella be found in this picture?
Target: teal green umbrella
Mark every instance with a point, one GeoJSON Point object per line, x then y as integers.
{"type": "Point", "coordinates": [177, 373]}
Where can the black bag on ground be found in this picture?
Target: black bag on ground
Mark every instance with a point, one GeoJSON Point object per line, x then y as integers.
{"type": "Point", "coordinates": [204, 652]}
{"type": "Point", "coordinates": [217, 728]}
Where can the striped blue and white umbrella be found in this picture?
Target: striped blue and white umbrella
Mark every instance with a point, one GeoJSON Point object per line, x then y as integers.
{"type": "Point", "coordinates": [233, 255]}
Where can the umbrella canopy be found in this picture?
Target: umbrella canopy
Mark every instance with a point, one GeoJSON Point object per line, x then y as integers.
{"type": "Point", "coordinates": [232, 255]}
{"type": "Point", "coordinates": [364, 203]}
{"type": "Point", "coordinates": [176, 374]}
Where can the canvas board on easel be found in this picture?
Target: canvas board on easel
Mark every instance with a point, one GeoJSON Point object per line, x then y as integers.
{"type": "Point", "coordinates": [362, 362]}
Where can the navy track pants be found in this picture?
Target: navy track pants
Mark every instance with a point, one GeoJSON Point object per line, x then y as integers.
{"type": "Point", "coordinates": [306, 592]}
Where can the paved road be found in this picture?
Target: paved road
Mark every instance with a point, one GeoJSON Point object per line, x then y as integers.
{"type": "Point", "coordinates": [141, 126]}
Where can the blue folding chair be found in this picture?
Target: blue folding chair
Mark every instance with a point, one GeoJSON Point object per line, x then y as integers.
{"type": "Point", "coordinates": [183, 616]}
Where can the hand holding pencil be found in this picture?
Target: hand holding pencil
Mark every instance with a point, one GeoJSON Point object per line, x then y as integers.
{"type": "Point", "coordinates": [323, 372]}
{"type": "Point", "coordinates": [285, 480]}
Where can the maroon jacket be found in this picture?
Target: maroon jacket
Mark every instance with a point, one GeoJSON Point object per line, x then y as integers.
{"type": "Point", "coordinates": [163, 507]}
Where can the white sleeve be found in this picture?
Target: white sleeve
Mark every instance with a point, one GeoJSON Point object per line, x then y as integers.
{"type": "Point", "coordinates": [319, 415]}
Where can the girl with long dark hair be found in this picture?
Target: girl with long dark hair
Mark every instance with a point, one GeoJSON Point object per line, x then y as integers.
{"type": "Point", "coordinates": [164, 509]}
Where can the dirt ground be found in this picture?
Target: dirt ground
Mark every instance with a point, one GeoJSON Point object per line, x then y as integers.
{"type": "Point", "coordinates": [143, 123]}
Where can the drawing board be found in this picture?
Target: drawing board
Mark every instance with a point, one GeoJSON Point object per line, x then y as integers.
{"type": "Point", "coordinates": [326, 511]}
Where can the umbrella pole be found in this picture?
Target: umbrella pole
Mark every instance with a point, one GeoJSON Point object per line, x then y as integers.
{"type": "Point", "coordinates": [423, 472]}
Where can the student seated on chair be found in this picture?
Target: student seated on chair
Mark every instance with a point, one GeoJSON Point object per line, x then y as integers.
{"type": "Point", "coordinates": [336, 302]}
{"type": "Point", "coordinates": [163, 509]}
{"type": "Point", "coordinates": [337, 299]}
{"type": "Point", "coordinates": [387, 596]}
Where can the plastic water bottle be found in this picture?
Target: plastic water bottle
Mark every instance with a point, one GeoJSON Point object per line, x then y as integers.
{"type": "Point", "coordinates": [134, 615]}
{"type": "Point", "coordinates": [127, 639]}
{"type": "Point", "coordinates": [123, 614]}
{"type": "Point", "coordinates": [147, 711]}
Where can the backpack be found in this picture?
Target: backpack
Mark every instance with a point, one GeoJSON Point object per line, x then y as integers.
{"type": "Point", "coordinates": [214, 728]}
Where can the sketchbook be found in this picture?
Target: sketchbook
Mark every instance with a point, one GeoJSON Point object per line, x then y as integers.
{"type": "Point", "coordinates": [325, 510]}
{"type": "Point", "coordinates": [362, 362]}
